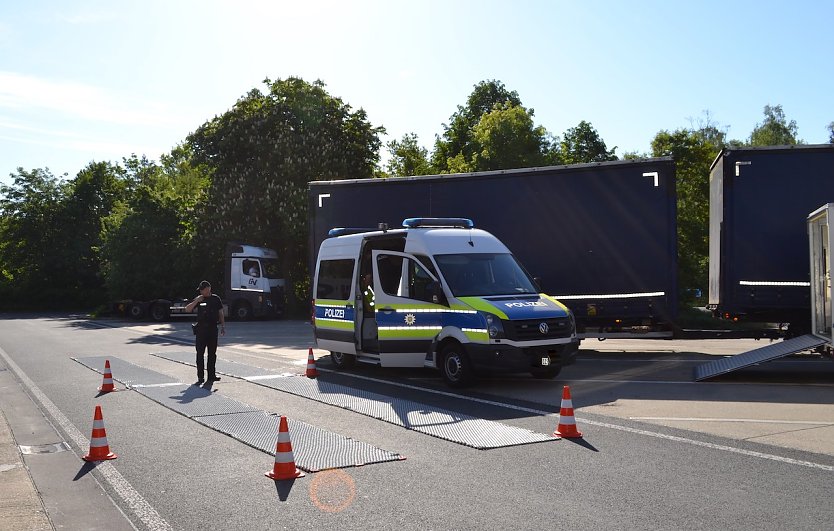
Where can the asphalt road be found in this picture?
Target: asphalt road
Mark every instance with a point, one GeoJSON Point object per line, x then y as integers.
{"type": "Point", "coordinates": [753, 450]}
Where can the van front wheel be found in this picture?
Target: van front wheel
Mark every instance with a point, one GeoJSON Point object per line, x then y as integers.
{"type": "Point", "coordinates": [342, 360]}
{"type": "Point", "coordinates": [455, 366]}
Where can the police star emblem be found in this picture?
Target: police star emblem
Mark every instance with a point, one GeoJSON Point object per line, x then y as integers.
{"type": "Point", "coordinates": [410, 319]}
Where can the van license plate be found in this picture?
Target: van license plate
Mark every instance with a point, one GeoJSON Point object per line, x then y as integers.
{"type": "Point", "coordinates": [545, 361]}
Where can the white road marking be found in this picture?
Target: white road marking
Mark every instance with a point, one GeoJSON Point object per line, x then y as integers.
{"type": "Point", "coordinates": [268, 376]}
{"type": "Point", "coordinates": [756, 421]}
{"type": "Point", "coordinates": [140, 508]}
{"type": "Point", "coordinates": [713, 446]}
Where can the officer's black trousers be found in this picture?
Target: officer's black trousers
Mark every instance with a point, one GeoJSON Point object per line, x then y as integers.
{"type": "Point", "coordinates": [206, 338]}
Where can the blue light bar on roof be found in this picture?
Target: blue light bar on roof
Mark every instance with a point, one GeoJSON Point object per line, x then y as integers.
{"type": "Point", "coordinates": [459, 223]}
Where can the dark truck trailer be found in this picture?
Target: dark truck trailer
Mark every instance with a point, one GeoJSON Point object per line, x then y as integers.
{"type": "Point", "coordinates": [758, 244]}
{"type": "Point", "coordinates": [600, 237]}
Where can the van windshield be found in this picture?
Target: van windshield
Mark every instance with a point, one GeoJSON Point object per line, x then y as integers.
{"type": "Point", "coordinates": [484, 274]}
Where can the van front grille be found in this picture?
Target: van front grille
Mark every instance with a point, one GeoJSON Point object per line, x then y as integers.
{"type": "Point", "coordinates": [532, 329]}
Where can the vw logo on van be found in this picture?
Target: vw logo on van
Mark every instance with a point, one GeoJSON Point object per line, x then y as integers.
{"type": "Point", "coordinates": [543, 328]}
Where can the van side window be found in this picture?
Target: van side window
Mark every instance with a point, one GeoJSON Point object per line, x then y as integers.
{"type": "Point", "coordinates": [418, 282]}
{"type": "Point", "coordinates": [404, 277]}
{"type": "Point", "coordinates": [334, 281]}
{"type": "Point", "coordinates": [390, 273]}
{"type": "Point", "coordinates": [426, 261]}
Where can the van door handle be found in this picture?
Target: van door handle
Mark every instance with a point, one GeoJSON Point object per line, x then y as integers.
{"type": "Point", "coordinates": [348, 305]}
{"type": "Point", "coordinates": [387, 310]}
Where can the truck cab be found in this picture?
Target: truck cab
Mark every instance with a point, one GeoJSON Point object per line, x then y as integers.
{"type": "Point", "coordinates": [436, 293]}
{"type": "Point", "coordinates": [254, 284]}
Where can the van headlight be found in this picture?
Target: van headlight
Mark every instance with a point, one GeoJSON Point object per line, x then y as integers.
{"type": "Point", "coordinates": [494, 326]}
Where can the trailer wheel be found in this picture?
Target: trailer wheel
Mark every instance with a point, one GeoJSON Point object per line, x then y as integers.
{"type": "Point", "coordinates": [135, 310]}
{"type": "Point", "coordinates": [546, 373]}
{"type": "Point", "coordinates": [455, 366]}
{"type": "Point", "coordinates": [242, 311]}
{"type": "Point", "coordinates": [160, 312]}
{"type": "Point", "coordinates": [342, 360]}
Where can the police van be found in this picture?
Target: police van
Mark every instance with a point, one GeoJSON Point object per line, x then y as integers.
{"type": "Point", "coordinates": [436, 293]}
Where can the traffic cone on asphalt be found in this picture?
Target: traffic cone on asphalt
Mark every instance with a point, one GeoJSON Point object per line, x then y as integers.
{"type": "Point", "coordinates": [99, 449]}
{"type": "Point", "coordinates": [567, 424]}
{"type": "Point", "coordinates": [107, 382]}
{"type": "Point", "coordinates": [284, 461]}
{"type": "Point", "coordinates": [311, 365]}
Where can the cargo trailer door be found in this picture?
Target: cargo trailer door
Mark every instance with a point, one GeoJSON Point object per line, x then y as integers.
{"type": "Point", "coordinates": [819, 241]}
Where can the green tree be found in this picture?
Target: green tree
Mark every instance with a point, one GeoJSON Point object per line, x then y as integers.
{"type": "Point", "coordinates": [148, 253]}
{"type": "Point", "coordinates": [31, 233]}
{"type": "Point", "coordinates": [775, 130]}
{"type": "Point", "coordinates": [635, 155]}
{"type": "Point", "coordinates": [831, 133]}
{"type": "Point", "coordinates": [456, 144]}
{"type": "Point", "coordinates": [583, 144]}
{"type": "Point", "coordinates": [90, 197]}
{"type": "Point", "coordinates": [693, 151]}
{"type": "Point", "coordinates": [408, 157]}
{"type": "Point", "coordinates": [148, 246]}
{"type": "Point", "coordinates": [506, 138]}
{"type": "Point", "coordinates": [263, 152]}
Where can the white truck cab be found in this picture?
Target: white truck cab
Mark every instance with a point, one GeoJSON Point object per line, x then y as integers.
{"type": "Point", "coordinates": [255, 285]}
{"type": "Point", "coordinates": [437, 293]}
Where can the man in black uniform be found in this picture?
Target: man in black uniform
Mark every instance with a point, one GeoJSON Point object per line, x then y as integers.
{"type": "Point", "coordinates": [209, 314]}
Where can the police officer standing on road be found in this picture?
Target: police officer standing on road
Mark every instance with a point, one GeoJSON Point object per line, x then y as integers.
{"type": "Point", "coordinates": [209, 314]}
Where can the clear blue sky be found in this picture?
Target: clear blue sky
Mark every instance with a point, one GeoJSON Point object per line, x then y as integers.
{"type": "Point", "coordinates": [97, 80]}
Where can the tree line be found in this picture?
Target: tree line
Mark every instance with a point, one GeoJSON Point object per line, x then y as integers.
{"type": "Point", "coordinates": [142, 229]}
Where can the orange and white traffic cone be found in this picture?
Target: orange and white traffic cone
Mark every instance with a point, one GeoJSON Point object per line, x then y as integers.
{"type": "Point", "coordinates": [99, 449]}
{"type": "Point", "coordinates": [567, 424]}
{"type": "Point", "coordinates": [284, 461]}
{"type": "Point", "coordinates": [311, 366]}
{"type": "Point", "coordinates": [107, 382]}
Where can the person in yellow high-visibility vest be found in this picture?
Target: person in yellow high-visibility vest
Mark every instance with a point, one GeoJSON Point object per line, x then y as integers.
{"type": "Point", "coordinates": [368, 297]}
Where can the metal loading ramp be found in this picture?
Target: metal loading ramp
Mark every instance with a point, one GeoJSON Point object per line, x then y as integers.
{"type": "Point", "coordinates": [314, 449]}
{"type": "Point", "coordinates": [759, 355]}
{"type": "Point", "coordinates": [416, 416]}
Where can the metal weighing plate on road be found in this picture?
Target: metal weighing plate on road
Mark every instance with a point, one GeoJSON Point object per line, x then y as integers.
{"type": "Point", "coordinates": [444, 424]}
{"type": "Point", "coordinates": [314, 449]}
{"type": "Point", "coordinates": [232, 368]}
{"type": "Point", "coordinates": [194, 401]}
{"type": "Point", "coordinates": [125, 372]}
{"type": "Point", "coordinates": [424, 418]}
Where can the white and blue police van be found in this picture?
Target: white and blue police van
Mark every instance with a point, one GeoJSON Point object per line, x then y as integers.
{"type": "Point", "coordinates": [436, 293]}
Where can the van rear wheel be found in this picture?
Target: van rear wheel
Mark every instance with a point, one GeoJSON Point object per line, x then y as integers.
{"type": "Point", "coordinates": [455, 366]}
{"type": "Point", "coordinates": [342, 360]}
